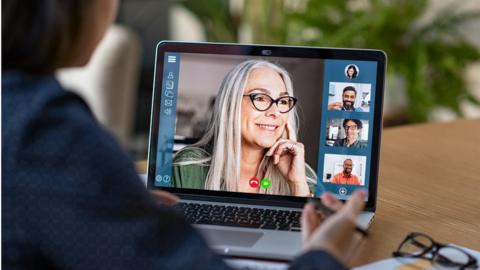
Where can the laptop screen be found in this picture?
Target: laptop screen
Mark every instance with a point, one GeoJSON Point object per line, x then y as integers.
{"type": "Point", "coordinates": [264, 122]}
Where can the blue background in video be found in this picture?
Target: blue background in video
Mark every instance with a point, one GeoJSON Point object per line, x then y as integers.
{"type": "Point", "coordinates": [166, 129]}
{"type": "Point", "coordinates": [335, 72]}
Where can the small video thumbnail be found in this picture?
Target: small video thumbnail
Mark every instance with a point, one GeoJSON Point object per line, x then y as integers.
{"type": "Point", "coordinates": [344, 169]}
{"type": "Point", "coordinates": [345, 132]}
{"type": "Point", "coordinates": [352, 71]}
{"type": "Point", "coordinates": [351, 97]}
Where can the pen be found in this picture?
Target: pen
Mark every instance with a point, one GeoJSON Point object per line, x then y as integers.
{"type": "Point", "coordinates": [327, 212]}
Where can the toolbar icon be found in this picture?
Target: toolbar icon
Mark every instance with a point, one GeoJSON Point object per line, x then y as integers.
{"type": "Point", "coordinates": [265, 183]}
{"type": "Point", "coordinates": [169, 84]}
{"type": "Point", "coordinates": [172, 59]}
{"type": "Point", "coordinates": [254, 182]}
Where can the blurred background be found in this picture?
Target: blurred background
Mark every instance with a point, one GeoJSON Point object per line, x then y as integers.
{"type": "Point", "coordinates": [433, 48]}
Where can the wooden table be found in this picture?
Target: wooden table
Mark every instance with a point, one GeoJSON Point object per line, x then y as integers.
{"type": "Point", "coordinates": [429, 182]}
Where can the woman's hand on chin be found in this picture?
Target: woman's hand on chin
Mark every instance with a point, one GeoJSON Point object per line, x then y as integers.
{"type": "Point", "coordinates": [289, 156]}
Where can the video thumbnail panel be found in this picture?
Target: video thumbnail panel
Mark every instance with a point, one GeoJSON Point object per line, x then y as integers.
{"type": "Point", "coordinates": [347, 96]}
{"type": "Point", "coordinates": [347, 132]}
{"type": "Point", "coordinates": [344, 169]}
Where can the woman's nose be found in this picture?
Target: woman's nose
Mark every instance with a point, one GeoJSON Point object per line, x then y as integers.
{"type": "Point", "coordinates": [273, 110]}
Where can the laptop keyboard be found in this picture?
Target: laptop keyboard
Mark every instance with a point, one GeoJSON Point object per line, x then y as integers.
{"type": "Point", "coordinates": [246, 217]}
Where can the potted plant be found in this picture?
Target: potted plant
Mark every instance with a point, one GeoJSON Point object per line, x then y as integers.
{"type": "Point", "coordinates": [429, 58]}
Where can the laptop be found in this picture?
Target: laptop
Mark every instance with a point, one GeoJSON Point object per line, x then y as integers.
{"type": "Point", "coordinates": [246, 134]}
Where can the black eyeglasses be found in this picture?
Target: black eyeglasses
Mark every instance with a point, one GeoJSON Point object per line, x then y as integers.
{"type": "Point", "coordinates": [352, 127]}
{"type": "Point", "coordinates": [263, 102]}
{"type": "Point", "coordinates": [422, 246]}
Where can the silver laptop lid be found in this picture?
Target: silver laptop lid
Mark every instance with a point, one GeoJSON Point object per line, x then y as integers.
{"type": "Point", "coordinates": [219, 108]}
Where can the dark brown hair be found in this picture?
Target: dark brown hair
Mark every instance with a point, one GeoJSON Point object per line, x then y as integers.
{"type": "Point", "coordinates": [356, 121]}
{"type": "Point", "coordinates": [39, 36]}
{"type": "Point", "coordinates": [349, 88]}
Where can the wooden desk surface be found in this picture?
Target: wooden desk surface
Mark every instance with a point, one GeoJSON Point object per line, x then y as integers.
{"type": "Point", "coordinates": [429, 182]}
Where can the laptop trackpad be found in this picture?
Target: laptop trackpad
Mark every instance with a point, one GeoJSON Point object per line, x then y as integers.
{"type": "Point", "coordinates": [219, 237]}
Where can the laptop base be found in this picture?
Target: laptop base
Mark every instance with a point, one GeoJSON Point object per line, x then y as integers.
{"type": "Point", "coordinates": [259, 243]}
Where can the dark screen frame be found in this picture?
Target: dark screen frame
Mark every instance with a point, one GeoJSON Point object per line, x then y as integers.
{"type": "Point", "coordinates": [264, 50]}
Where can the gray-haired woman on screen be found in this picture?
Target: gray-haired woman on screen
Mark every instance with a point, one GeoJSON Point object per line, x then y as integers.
{"type": "Point", "coordinates": [252, 135]}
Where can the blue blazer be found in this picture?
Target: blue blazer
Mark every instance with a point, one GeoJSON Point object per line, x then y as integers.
{"type": "Point", "coordinates": [71, 198]}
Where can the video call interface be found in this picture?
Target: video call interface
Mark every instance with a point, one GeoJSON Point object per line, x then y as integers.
{"type": "Point", "coordinates": [268, 125]}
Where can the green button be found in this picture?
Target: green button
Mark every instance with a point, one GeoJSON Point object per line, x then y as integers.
{"type": "Point", "coordinates": [265, 183]}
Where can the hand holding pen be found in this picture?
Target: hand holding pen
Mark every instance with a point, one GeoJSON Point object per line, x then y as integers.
{"type": "Point", "coordinates": [325, 212]}
{"type": "Point", "coordinates": [333, 230]}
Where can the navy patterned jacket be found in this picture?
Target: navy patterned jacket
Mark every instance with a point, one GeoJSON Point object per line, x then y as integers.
{"type": "Point", "coordinates": [71, 198]}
